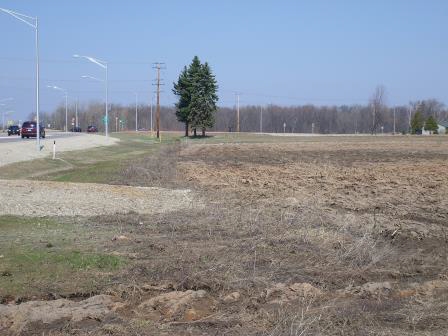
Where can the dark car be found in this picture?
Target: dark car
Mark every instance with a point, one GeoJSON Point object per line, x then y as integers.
{"type": "Point", "coordinates": [92, 129]}
{"type": "Point", "coordinates": [76, 129]}
{"type": "Point", "coordinates": [29, 129]}
{"type": "Point", "coordinates": [13, 130]}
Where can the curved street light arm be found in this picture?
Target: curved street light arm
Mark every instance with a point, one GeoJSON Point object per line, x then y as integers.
{"type": "Point", "coordinates": [92, 78]}
{"type": "Point", "coordinates": [97, 61]}
{"type": "Point", "coordinates": [22, 17]}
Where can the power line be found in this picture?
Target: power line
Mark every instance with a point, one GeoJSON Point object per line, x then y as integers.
{"type": "Point", "coordinates": [75, 91]}
{"type": "Point", "coordinates": [21, 59]}
{"type": "Point", "coordinates": [257, 94]}
{"type": "Point", "coordinates": [70, 80]}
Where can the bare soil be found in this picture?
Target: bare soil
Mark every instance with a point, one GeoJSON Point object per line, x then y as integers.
{"type": "Point", "coordinates": [329, 236]}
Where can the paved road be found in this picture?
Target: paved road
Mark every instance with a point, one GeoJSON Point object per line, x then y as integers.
{"type": "Point", "coordinates": [53, 135]}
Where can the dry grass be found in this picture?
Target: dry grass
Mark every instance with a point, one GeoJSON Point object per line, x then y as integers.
{"type": "Point", "coordinates": [157, 169]}
{"type": "Point", "coordinates": [336, 214]}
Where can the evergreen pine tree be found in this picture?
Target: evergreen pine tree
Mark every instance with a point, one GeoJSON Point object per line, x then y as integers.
{"type": "Point", "coordinates": [181, 89]}
{"type": "Point", "coordinates": [204, 99]}
{"type": "Point", "coordinates": [184, 89]}
{"type": "Point", "coordinates": [194, 76]}
{"type": "Point", "coordinates": [431, 124]}
{"type": "Point", "coordinates": [196, 89]}
{"type": "Point", "coordinates": [417, 122]}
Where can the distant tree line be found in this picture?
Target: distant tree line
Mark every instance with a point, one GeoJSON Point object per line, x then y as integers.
{"type": "Point", "coordinates": [297, 119]}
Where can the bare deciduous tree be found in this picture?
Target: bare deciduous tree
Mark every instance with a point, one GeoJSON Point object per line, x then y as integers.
{"type": "Point", "coordinates": [377, 103]}
{"type": "Point", "coordinates": [326, 119]}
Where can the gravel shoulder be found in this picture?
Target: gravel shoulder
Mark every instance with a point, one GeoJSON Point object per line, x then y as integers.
{"type": "Point", "coordinates": [40, 199]}
{"type": "Point", "coordinates": [23, 151]}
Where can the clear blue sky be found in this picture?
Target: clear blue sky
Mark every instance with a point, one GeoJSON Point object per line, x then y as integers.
{"type": "Point", "coordinates": [284, 52]}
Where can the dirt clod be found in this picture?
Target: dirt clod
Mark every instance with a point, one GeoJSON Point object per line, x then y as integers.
{"type": "Point", "coordinates": [282, 293]}
{"type": "Point", "coordinates": [369, 289]}
{"type": "Point", "coordinates": [18, 318]}
{"type": "Point", "coordinates": [180, 306]}
{"type": "Point", "coordinates": [232, 297]}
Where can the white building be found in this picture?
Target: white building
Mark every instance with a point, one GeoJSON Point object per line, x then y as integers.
{"type": "Point", "coordinates": [443, 128]}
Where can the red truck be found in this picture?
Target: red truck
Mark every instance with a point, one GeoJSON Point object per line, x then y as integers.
{"type": "Point", "coordinates": [29, 129]}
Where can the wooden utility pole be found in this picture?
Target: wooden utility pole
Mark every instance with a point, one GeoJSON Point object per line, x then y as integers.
{"type": "Point", "coordinates": [158, 101]}
{"type": "Point", "coordinates": [158, 82]}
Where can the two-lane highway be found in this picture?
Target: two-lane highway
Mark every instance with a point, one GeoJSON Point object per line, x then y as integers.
{"type": "Point", "coordinates": [50, 135]}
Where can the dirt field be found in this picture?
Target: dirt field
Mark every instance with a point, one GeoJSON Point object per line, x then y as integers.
{"type": "Point", "coordinates": [312, 236]}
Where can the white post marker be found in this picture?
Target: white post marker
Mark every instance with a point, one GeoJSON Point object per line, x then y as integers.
{"type": "Point", "coordinates": [54, 149]}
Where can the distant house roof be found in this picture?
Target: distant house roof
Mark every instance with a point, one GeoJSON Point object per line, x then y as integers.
{"type": "Point", "coordinates": [443, 123]}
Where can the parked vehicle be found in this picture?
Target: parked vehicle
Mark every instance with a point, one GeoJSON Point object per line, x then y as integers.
{"type": "Point", "coordinates": [29, 129]}
{"type": "Point", "coordinates": [92, 129]}
{"type": "Point", "coordinates": [13, 130]}
{"type": "Point", "coordinates": [76, 129]}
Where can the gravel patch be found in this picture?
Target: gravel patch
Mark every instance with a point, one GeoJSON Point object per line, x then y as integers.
{"type": "Point", "coordinates": [26, 150]}
{"type": "Point", "coordinates": [42, 198]}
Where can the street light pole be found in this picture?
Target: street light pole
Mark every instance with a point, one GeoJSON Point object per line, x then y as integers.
{"type": "Point", "coordinates": [136, 111]}
{"type": "Point", "coordinates": [66, 102]}
{"type": "Point", "coordinates": [104, 65]}
{"type": "Point", "coordinates": [26, 19]}
{"type": "Point", "coordinates": [106, 124]}
{"type": "Point", "coordinates": [152, 100]}
{"type": "Point", "coordinates": [37, 87]}
{"type": "Point", "coordinates": [3, 113]}
{"type": "Point", "coordinates": [3, 118]}
{"type": "Point", "coordinates": [66, 112]}
{"type": "Point", "coordinates": [76, 113]}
